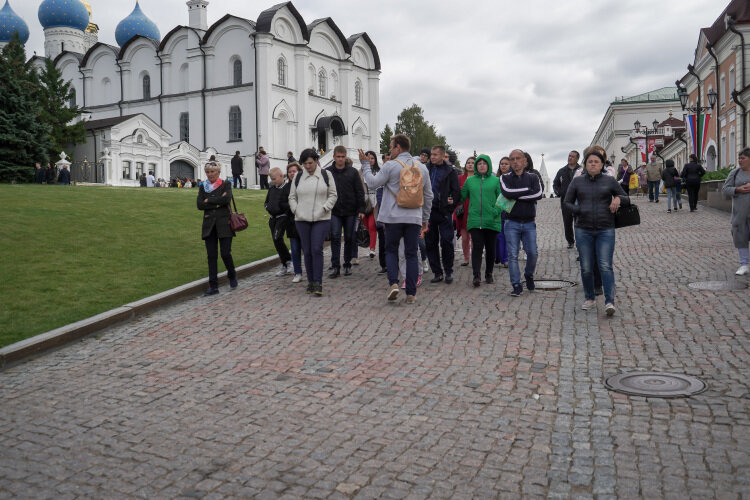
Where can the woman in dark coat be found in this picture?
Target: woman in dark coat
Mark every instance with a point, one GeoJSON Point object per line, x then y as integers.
{"type": "Point", "coordinates": [670, 175]}
{"type": "Point", "coordinates": [214, 197]}
{"type": "Point", "coordinates": [692, 173]}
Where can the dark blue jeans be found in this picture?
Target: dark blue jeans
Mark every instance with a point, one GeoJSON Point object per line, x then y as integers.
{"type": "Point", "coordinates": [439, 238]}
{"type": "Point", "coordinates": [349, 224]}
{"type": "Point", "coordinates": [393, 235]}
{"type": "Point", "coordinates": [296, 245]}
{"type": "Point", "coordinates": [597, 247]}
{"type": "Point", "coordinates": [313, 235]}
{"type": "Point", "coordinates": [653, 190]}
{"type": "Point", "coordinates": [515, 234]}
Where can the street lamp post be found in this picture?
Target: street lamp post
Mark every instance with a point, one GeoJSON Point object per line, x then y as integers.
{"type": "Point", "coordinates": [697, 110]}
{"type": "Point", "coordinates": [637, 129]}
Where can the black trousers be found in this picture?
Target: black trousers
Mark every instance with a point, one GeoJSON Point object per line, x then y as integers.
{"type": "Point", "coordinates": [482, 239]}
{"type": "Point", "coordinates": [567, 217]}
{"type": "Point", "coordinates": [237, 181]}
{"type": "Point", "coordinates": [263, 181]}
{"type": "Point", "coordinates": [692, 192]}
{"type": "Point", "coordinates": [279, 243]}
{"type": "Point", "coordinates": [440, 237]}
{"type": "Point", "coordinates": [226, 255]}
{"type": "Point", "coordinates": [381, 246]}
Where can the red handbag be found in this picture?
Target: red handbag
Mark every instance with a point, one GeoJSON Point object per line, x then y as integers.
{"type": "Point", "coordinates": [237, 221]}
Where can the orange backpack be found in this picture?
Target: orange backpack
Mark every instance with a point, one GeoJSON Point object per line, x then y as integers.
{"type": "Point", "coordinates": [410, 187]}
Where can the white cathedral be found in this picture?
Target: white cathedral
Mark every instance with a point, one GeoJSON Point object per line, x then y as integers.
{"type": "Point", "coordinates": [166, 104]}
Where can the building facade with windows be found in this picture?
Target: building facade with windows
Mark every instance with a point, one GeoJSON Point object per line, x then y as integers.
{"type": "Point", "coordinates": [199, 90]}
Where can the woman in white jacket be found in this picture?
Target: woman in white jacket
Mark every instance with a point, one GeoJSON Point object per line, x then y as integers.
{"type": "Point", "coordinates": [311, 199]}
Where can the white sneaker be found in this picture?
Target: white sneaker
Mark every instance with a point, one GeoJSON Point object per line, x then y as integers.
{"type": "Point", "coordinates": [743, 270]}
{"type": "Point", "coordinates": [425, 266]}
{"type": "Point", "coordinates": [289, 268]}
{"type": "Point", "coordinates": [355, 262]}
{"type": "Point", "coordinates": [589, 304]}
{"type": "Point", "coordinates": [281, 271]}
{"type": "Point", "coordinates": [297, 278]}
{"type": "Point", "coordinates": [610, 309]}
{"type": "Point", "coordinates": [372, 254]}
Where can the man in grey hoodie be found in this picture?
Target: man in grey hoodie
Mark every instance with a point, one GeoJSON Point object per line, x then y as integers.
{"type": "Point", "coordinates": [400, 222]}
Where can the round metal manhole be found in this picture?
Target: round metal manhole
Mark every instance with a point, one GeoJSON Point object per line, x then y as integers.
{"type": "Point", "coordinates": [554, 284]}
{"type": "Point", "coordinates": [718, 286]}
{"type": "Point", "coordinates": [656, 385]}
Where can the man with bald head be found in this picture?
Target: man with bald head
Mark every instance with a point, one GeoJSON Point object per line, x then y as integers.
{"type": "Point", "coordinates": [520, 226]}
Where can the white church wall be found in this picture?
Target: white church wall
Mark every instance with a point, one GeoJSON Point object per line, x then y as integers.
{"type": "Point", "coordinates": [142, 61]}
{"type": "Point", "coordinates": [105, 81]}
{"type": "Point", "coordinates": [218, 106]}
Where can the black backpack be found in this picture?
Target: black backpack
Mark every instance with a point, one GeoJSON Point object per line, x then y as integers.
{"type": "Point", "coordinates": [299, 176]}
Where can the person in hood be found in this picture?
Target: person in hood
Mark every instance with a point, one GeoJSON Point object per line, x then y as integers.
{"type": "Point", "coordinates": [483, 221]}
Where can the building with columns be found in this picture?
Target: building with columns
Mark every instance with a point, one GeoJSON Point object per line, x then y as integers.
{"type": "Point", "coordinates": [169, 102]}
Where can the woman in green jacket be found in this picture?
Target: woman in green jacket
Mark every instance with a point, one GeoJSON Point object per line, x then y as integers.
{"type": "Point", "coordinates": [483, 221]}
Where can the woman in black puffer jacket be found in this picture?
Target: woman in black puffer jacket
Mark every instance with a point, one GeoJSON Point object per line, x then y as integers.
{"type": "Point", "coordinates": [670, 175]}
{"type": "Point", "coordinates": [692, 173]}
{"type": "Point", "coordinates": [594, 198]}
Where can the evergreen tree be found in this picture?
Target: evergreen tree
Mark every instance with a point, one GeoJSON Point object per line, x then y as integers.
{"type": "Point", "coordinates": [55, 98]}
{"type": "Point", "coordinates": [24, 138]}
{"type": "Point", "coordinates": [423, 134]}
{"type": "Point", "coordinates": [385, 139]}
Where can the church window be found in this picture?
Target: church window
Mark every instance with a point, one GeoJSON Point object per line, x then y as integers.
{"type": "Point", "coordinates": [139, 169]}
{"type": "Point", "coordinates": [237, 72]}
{"type": "Point", "coordinates": [139, 139]}
{"type": "Point", "coordinates": [235, 123]}
{"type": "Point", "coordinates": [126, 170]}
{"type": "Point", "coordinates": [72, 101]}
{"type": "Point", "coordinates": [322, 83]}
{"type": "Point", "coordinates": [146, 87]}
{"type": "Point", "coordinates": [282, 71]}
{"type": "Point", "coordinates": [358, 93]}
{"type": "Point", "coordinates": [185, 127]}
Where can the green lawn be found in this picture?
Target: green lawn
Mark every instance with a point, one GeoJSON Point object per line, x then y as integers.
{"type": "Point", "coordinates": [69, 253]}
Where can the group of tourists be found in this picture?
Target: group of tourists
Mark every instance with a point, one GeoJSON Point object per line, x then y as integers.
{"type": "Point", "coordinates": [51, 174]}
{"type": "Point", "coordinates": [409, 199]}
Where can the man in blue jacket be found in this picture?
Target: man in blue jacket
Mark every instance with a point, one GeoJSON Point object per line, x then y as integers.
{"type": "Point", "coordinates": [520, 225]}
{"type": "Point", "coordinates": [447, 193]}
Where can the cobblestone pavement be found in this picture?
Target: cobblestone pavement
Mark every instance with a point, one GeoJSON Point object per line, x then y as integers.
{"type": "Point", "coordinates": [266, 392]}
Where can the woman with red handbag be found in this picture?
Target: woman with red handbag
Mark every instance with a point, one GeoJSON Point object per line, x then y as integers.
{"type": "Point", "coordinates": [214, 197]}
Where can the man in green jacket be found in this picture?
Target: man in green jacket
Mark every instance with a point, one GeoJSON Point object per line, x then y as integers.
{"type": "Point", "coordinates": [483, 221]}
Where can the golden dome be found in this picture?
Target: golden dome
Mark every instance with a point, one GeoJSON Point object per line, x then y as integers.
{"type": "Point", "coordinates": [92, 28]}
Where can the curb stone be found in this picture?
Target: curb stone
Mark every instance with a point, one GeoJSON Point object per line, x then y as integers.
{"type": "Point", "coordinates": [59, 337]}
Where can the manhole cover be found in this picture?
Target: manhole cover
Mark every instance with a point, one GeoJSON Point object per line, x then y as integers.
{"type": "Point", "coordinates": [656, 385]}
{"type": "Point", "coordinates": [718, 286]}
{"type": "Point", "coordinates": [553, 284]}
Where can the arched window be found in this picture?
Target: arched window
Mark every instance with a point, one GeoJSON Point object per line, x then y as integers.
{"type": "Point", "coordinates": [358, 93]}
{"type": "Point", "coordinates": [282, 71]}
{"type": "Point", "coordinates": [322, 83]}
{"type": "Point", "coordinates": [235, 123]}
{"type": "Point", "coordinates": [146, 86]}
{"type": "Point", "coordinates": [237, 72]}
{"type": "Point", "coordinates": [72, 101]}
{"type": "Point", "coordinates": [185, 127]}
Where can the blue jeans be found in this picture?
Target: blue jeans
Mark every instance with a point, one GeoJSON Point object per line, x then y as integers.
{"type": "Point", "coordinates": [515, 234]}
{"type": "Point", "coordinates": [296, 245]}
{"type": "Point", "coordinates": [599, 244]}
{"type": "Point", "coordinates": [313, 235]}
{"type": "Point", "coordinates": [672, 197]}
{"type": "Point", "coordinates": [653, 190]}
{"type": "Point", "coordinates": [349, 224]}
{"type": "Point", "coordinates": [393, 235]}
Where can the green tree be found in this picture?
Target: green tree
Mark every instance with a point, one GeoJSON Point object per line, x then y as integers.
{"type": "Point", "coordinates": [385, 139]}
{"type": "Point", "coordinates": [24, 137]}
{"type": "Point", "coordinates": [423, 134]}
{"type": "Point", "coordinates": [55, 98]}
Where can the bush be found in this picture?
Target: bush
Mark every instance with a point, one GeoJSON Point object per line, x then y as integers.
{"type": "Point", "coordinates": [718, 175]}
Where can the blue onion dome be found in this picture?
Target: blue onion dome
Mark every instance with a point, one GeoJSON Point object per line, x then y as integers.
{"type": "Point", "coordinates": [63, 14]}
{"type": "Point", "coordinates": [136, 24]}
{"type": "Point", "coordinates": [10, 24]}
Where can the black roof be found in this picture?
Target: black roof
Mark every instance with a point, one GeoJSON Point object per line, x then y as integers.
{"type": "Point", "coordinates": [353, 39]}
{"type": "Point", "coordinates": [339, 34]}
{"type": "Point", "coordinates": [107, 122]}
{"type": "Point", "coordinates": [266, 17]}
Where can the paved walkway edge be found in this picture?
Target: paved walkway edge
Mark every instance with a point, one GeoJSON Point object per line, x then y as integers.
{"type": "Point", "coordinates": [59, 337]}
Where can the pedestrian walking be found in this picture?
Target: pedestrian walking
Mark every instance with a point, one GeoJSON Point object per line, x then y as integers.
{"type": "Point", "coordinates": [63, 178]}
{"type": "Point", "coordinates": [560, 187]}
{"type": "Point", "coordinates": [277, 206]}
{"type": "Point", "coordinates": [653, 177]}
{"type": "Point", "coordinates": [626, 177]}
{"type": "Point", "coordinates": [594, 198]}
{"type": "Point", "coordinates": [401, 221]}
{"type": "Point", "coordinates": [501, 249]}
{"type": "Point", "coordinates": [669, 176]}
{"type": "Point", "coordinates": [238, 168]}
{"type": "Point", "coordinates": [439, 236]}
{"type": "Point", "coordinates": [520, 226]}
{"type": "Point", "coordinates": [481, 190]}
{"type": "Point", "coordinates": [371, 204]}
{"type": "Point", "coordinates": [38, 173]}
{"type": "Point", "coordinates": [311, 198]}
{"type": "Point", "coordinates": [263, 164]}
{"type": "Point", "coordinates": [350, 205]}
{"type": "Point", "coordinates": [737, 187]}
{"type": "Point", "coordinates": [214, 197]}
{"type": "Point", "coordinates": [51, 173]}
{"type": "Point", "coordinates": [292, 169]}
{"type": "Point", "coordinates": [462, 212]}
{"type": "Point", "coordinates": [150, 179]}
{"type": "Point", "coordinates": [290, 158]}
{"type": "Point", "coordinates": [692, 173]}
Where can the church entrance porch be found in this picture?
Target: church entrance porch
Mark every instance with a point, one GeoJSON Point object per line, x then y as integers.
{"type": "Point", "coordinates": [181, 170]}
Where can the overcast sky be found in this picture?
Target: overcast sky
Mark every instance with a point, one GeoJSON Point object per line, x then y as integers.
{"type": "Point", "coordinates": [492, 75]}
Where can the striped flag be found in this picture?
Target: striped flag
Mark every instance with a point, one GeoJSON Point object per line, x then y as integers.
{"type": "Point", "coordinates": [698, 126]}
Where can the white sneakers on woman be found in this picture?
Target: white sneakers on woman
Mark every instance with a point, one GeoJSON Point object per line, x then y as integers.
{"type": "Point", "coordinates": [297, 278]}
{"type": "Point", "coordinates": [589, 304]}
{"type": "Point", "coordinates": [743, 270]}
{"type": "Point", "coordinates": [609, 308]}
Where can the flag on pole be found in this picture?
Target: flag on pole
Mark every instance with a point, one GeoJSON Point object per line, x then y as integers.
{"type": "Point", "coordinates": [698, 127]}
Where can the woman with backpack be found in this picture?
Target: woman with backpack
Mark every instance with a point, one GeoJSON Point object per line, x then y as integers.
{"type": "Point", "coordinates": [311, 199]}
{"type": "Point", "coordinates": [483, 220]}
{"type": "Point", "coordinates": [737, 187]}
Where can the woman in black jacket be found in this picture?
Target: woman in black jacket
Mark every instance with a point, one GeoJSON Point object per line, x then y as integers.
{"type": "Point", "coordinates": [214, 197]}
{"type": "Point", "coordinates": [594, 198]}
{"type": "Point", "coordinates": [670, 175]}
{"type": "Point", "coordinates": [692, 173]}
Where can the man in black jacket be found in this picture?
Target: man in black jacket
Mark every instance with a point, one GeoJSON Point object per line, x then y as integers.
{"type": "Point", "coordinates": [560, 187]}
{"type": "Point", "coordinates": [349, 204]}
{"type": "Point", "coordinates": [238, 169]}
{"type": "Point", "coordinates": [447, 194]}
{"type": "Point", "coordinates": [520, 226]}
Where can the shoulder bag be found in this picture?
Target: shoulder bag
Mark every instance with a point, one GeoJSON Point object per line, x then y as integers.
{"type": "Point", "coordinates": [237, 221]}
{"type": "Point", "coordinates": [627, 216]}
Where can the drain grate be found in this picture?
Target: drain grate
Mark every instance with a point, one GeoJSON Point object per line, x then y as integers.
{"type": "Point", "coordinates": [718, 286]}
{"type": "Point", "coordinates": [656, 385]}
{"type": "Point", "coordinates": [554, 284]}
